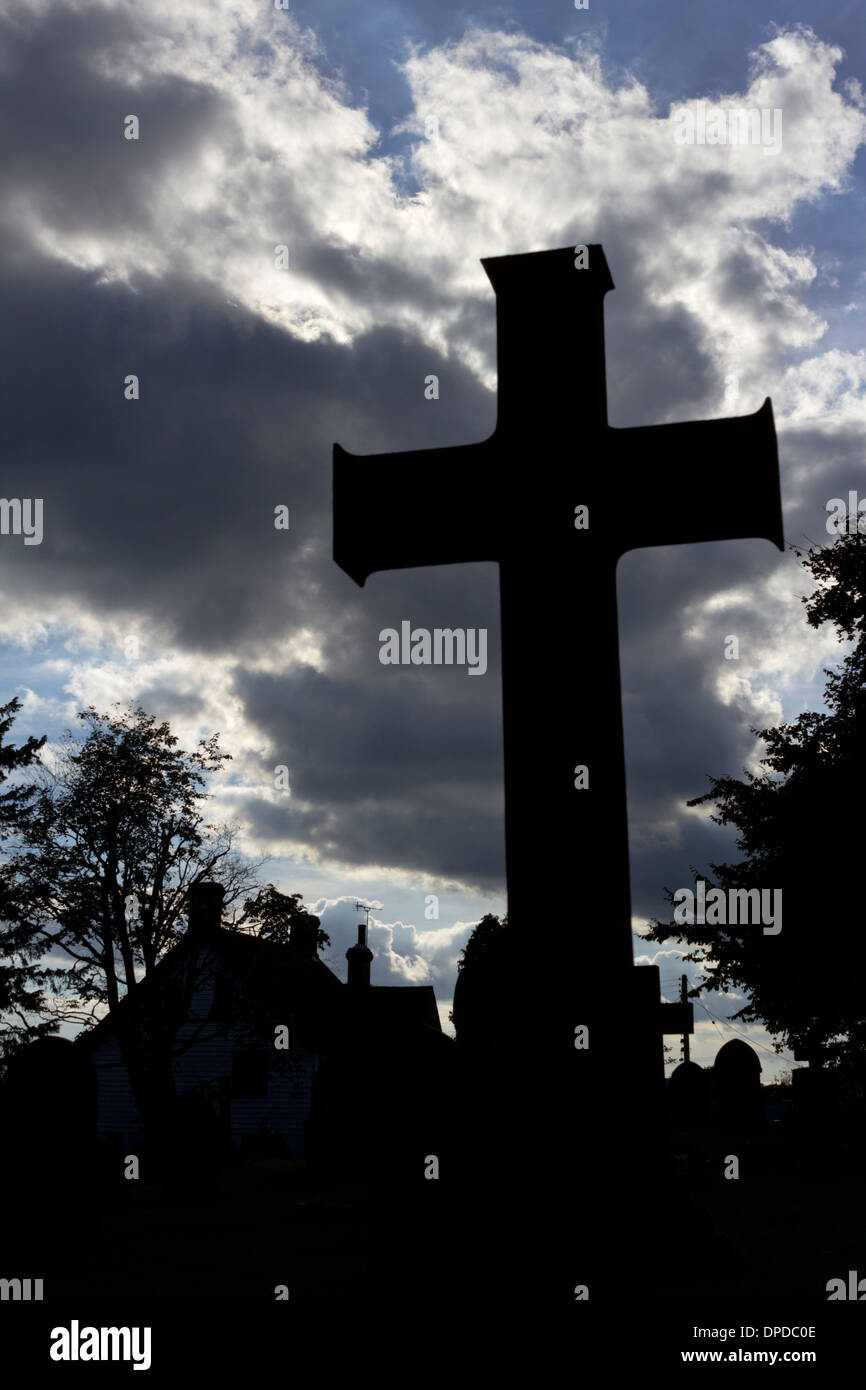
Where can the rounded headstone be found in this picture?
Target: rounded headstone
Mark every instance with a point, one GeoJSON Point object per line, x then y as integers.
{"type": "Point", "coordinates": [687, 1096]}
{"type": "Point", "coordinates": [737, 1086]}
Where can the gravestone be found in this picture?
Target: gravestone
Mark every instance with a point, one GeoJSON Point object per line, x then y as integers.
{"type": "Point", "coordinates": [48, 1099]}
{"type": "Point", "coordinates": [556, 495]}
{"type": "Point", "coordinates": [48, 1143]}
{"type": "Point", "coordinates": [737, 1096]}
{"type": "Point", "coordinates": [688, 1097]}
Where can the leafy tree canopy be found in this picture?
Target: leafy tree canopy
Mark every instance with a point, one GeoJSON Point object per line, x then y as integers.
{"type": "Point", "coordinates": [799, 829]}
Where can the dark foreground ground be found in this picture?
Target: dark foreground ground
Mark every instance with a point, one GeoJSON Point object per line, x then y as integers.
{"type": "Point", "coordinates": [366, 1273]}
{"type": "Point", "coordinates": [775, 1233]}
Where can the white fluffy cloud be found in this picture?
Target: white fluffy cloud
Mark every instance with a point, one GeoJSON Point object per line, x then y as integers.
{"type": "Point", "coordinates": [403, 954]}
{"type": "Point", "coordinates": [533, 147]}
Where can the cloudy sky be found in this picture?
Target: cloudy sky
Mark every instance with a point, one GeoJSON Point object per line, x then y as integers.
{"type": "Point", "coordinates": [388, 149]}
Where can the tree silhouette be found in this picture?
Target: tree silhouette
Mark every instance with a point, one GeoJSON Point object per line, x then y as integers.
{"type": "Point", "coordinates": [487, 936]}
{"type": "Point", "coordinates": [24, 1010]}
{"type": "Point", "coordinates": [800, 830]}
{"type": "Point", "coordinates": [272, 913]}
{"type": "Point", "coordinates": [488, 950]}
{"type": "Point", "coordinates": [110, 840]}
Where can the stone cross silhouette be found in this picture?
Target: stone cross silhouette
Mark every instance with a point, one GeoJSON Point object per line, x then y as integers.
{"type": "Point", "coordinates": [556, 496]}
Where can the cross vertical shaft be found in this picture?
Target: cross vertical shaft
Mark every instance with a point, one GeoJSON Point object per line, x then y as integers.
{"type": "Point", "coordinates": [513, 498]}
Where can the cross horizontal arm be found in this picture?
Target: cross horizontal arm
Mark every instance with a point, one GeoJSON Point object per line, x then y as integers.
{"type": "Point", "coordinates": [421, 507]}
{"type": "Point", "coordinates": [706, 480]}
{"type": "Point", "coordinates": [677, 1018]}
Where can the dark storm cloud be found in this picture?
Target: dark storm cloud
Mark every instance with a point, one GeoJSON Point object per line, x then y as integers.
{"type": "Point", "coordinates": [821, 464]}
{"type": "Point", "coordinates": [163, 507]}
{"type": "Point", "coordinates": [167, 503]}
{"type": "Point", "coordinates": [401, 767]}
{"type": "Point", "coordinates": [62, 146]}
{"type": "Point", "coordinates": [370, 281]}
{"type": "Point", "coordinates": [677, 731]}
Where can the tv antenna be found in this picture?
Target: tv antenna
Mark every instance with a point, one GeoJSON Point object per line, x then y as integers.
{"type": "Point", "coordinates": [368, 908]}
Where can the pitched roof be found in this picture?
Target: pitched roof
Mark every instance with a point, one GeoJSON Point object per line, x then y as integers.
{"type": "Point", "coordinates": [323, 1010]}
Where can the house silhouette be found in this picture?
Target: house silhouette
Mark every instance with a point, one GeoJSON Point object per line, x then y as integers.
{"type": "Point", "coordinates": [269, 1034]}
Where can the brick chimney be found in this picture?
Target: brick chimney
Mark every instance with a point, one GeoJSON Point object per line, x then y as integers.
{"type": "Point", "coordinates": [204, 907]}
{"type": "Point", "coordinates": [360, 958]}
